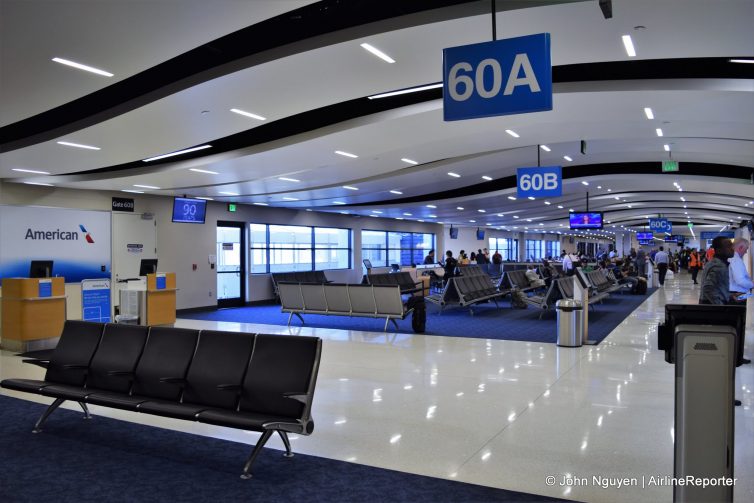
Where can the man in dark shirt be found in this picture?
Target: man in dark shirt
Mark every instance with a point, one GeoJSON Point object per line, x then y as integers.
{"type": "Point", "coordinates": [715, 286]}
{"type": "Point", "coordinates": [450, 264]}
{"type": "Point", "coordinates": [430, 258]}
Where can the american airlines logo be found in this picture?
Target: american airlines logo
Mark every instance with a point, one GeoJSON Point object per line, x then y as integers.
{"type": "Point", "coordinates": [58, 235]}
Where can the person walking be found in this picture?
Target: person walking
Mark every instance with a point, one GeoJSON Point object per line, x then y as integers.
{"type": "Point", "coordinates": [662, 259]}
{"type": "Point", "coordinates": [716, 281]}
{"type": "Point", "coordinates": [740, 281]}
{"type": "Point", "coordinates": [695, 264]}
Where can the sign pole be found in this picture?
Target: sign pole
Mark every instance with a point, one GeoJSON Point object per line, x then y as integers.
{"type": "Point", "coordinates": [494, 21]}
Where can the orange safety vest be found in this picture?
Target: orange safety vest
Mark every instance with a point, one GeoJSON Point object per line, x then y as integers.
{"type": "Point", "coordinates": [694, 260]}
{"type": "Point", "coordinates": [710, 254]}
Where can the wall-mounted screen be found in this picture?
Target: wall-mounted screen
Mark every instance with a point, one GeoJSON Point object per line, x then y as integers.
{"type": "Point", "coordinates": [479, 234]}
{"type": "Point", "coordinates": [644, 236]}
{"type": "Point", "coordinates": [40, 269]}
{"type": "Point", "coordinates": [454, 233]}
{"type": "Point", "coordinates": [147, 266]}
{"type": "Point", "coordinates": [586, 220]}
{"type": "Point", "coordinates": [646, 243]}
{"type": "Point", "coordinates": [189, 211]}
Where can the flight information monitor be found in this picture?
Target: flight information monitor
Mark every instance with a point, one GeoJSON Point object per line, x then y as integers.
{"type": "Point", "coordinates": [586, 220]}
{"type": "Point", "coordinates": [189, 211]}
{"type": "Point", "coordinates": [644, 236]}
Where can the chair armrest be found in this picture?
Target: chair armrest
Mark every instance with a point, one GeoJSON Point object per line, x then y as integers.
{"type": "Point", "coordinates": [39, 363]}
{"type": "Point", "coordinates": [120, 373]}
{"type": "Point", "coordinates": [298, 396]}
{"type": "Point", "coordinates": [72, 366]}
{"type": "Point", "coordinates": [229, 387]}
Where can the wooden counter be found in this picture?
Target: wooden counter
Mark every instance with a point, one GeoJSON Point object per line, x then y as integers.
{"type": "Point", "coordinates": [28, 320]}
{"type": "Point", "coordinates": [160, 302]}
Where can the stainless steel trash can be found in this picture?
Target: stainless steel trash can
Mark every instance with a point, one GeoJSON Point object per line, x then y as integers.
{"type": "Point", "coordinates": [570, 329]}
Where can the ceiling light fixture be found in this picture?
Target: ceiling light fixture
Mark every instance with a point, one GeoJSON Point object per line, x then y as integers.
{"type": "Point", "coordinates": [408, 214]}
{"type": "Point", "coordinates": [177, 152]}
{"type": "Point", "coordinates": [406, 91]}
{"type": "Point", "coordinates": [349, 187]}
{"type": "Point", "coordinates": [22, 170]}
{"type": "Point", "coordinates": [39, 183]}
{"type": "Point", "coordinates": [346, 154]}
{"type": "Point", "coordinates": [531, 198]}
{"type": "Point", "coordinates": [567, 158]}
{"type": "Point", "coordinates": [338, 202]}
{"type": "Point", "coordinates": [459, 208]}
{"type": "Point", "coordinates": [454, 175]}
{"type": "Point", "coordinates": [482, 211]}
{"type": "Point", "coordinates": [377, 52]}
{"type": "Point", "coordinates": [86, 68]}
{"type": "Point", "coordinates": [485, 177]}
{"type": "Point", "coordinates": [133, 191]}
{"type": "Point", "coordinates": [742, 60]}
{"type": "Point", "coordinates": [666, 147]}
{"type": "Point", "coordinates": [472, 221]}
{"type": "Point", "coordinates": [410, 161]}
{"type": "Point", "coordinates": [397, 192]}
{"type": "Point", "coordinates": [147, 187]}
{"type": "Point", "coordinates": [205, 198]}
{"type": "Point", "coordinates": [560, 206]}
{"type": "Point", "coordinates": [629, 45]}
{"type": "Point", "coordinates": [230, 193]}
{"type": "Point", "coordinates": [260, 204]}
{"type": "Point", "coordinates": [516, 216]}
{"type": "Point", "coordinates": [548, 203]}
{"type": "Point", "coordinates": [197, 170]}
{"type": "Point", "coordinates": [512, 133]}
{"type": "Point", "coordinates": [512, 198]}
{"type": "Point", "coordinates": [432, 206]}
{"type": "Point", "coordinates": [248, 114]}
{"type": "Point", "coordinates": [658, 131]}
{"type": "Point", "coordinates": [377, 212]}
{"type": "Point", "coordinates": [77, 145]}
{"type": "Point", "coordinates": [545, 148]}
{"type": "Point", "coordinates": [648, 112]}
{"type": "Point", "coordinates": [284, 179]}
{"type": "Point", "coordinates": [584, 182]}
{"type": "Point", "coordinates": [290, 199]}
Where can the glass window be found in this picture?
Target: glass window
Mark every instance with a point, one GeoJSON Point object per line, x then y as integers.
{"type": "Point", "coordinates": [535, 250]}
{"type": "Point", "coordinates": [284, 248]}
{"type": "Point", "coordinates": [552, 249]}
{"type": "Point", "coordinates": [384, 248]}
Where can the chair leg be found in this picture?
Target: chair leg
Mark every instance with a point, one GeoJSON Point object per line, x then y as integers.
{"type": "Point", "coordinates": [387, 320]}
{"type": "Point", "coordinates": [253, 456]}
{"type": "Point", "coordinates": [284, 436]}
{"type": "Point", "coordinates": [300, 318]}
{"type": "Point", "coordinates": [394, 323]}
{"type": "Point", "coordinates": [86, 410]}
{"type": "Point", "coordinates": [46, 414]}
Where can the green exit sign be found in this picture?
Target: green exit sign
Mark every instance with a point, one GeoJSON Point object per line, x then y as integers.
{"type": "Point", "coordinates": [691, 225]}
{"type": "Point", "coordinates": [232, 207]}
{"type": "Point", "coordinates": [669, 166]}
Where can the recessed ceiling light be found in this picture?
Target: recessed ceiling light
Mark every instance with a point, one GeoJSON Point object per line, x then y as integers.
{"type": "Point", "coordinates": [433, 216]}
{"type": "Point", "coordinates": [260, 204]}
{"type": "Point", "coordinates": [609, 190]}
{"type": "Point", "coordinates": [648, 112]}
{"type": "Point", "coordinates": [399, 218]}
{"type": "Point", "coordinates": [431, 206]}
{"type": "Point", "coordinates": [560, 206]}
{"type": "Point", "coordinates": [205, 198]}
{"type": "Point", "coordinates": [408, 214]}
{"type": "Point", "coordinates": [39, 183]}
{"type": "Point", "coordinates": [666, 147]}
{"type": "Point", "coordinates": [683, 199]}
{"type": "Point", "coordinates": [599, 186]}
{"type": "Point", "coordinates": [349, 187]}
{"type": "Point", "coordinates": [617, 198]}
{"type": "Point", "coordinates": [178, 152]}
{"type": "Point", "coordinates": [147, 187]}
{"type": "Point", "coordinates": [77, 145]}
{"type": "Point", "coordinates": [512, 133]}
{"type": "Point", "coordinates": [472, 221]}
{"type": "Point", "coordinates": [291, 199]}
{"type": "Point", "coordinates": [197, 170]}
{"type": "Point", "coordinates": [22, 170]}
{"type": "Point", "coordinates": [338, 202]}
{"type": "Point", "coordinates": [742, 60]}
{"type": "Point", "coordinates": [86, 68]}
{"type": "Point", "coordinates": [545, 148]}
{"type": "Point", "coordinates": [346, 154]}
{"type": "Point", "coordinates": [377, 212]}
{"type": "Point", "coordinates": [454, 175]}
{"type": "Point", "coordinates": [248, 114]}
{"type": "Point", "coordinates": [530, 198]}
{"type": "Point", "coordinates": [284, 179]}
{"type": "Point", "coordinates": [459, 208]}
{"type": "Point", "coordinates": [397, 192]}
{"type": "Point", "coordinates": [420, 220]}
{"type": "Point", "coordinates": [528, 219]}
{"type": "Point", "coordinates": [570, 210]}
{"type": "Point", "coordinates": [482, 211]}
{"type": "Point", "coordinates": [629, 45]}
{"type": "Point", "coordinates": [309, 209]}
{"type": "Point", "coordinates": [377, 52]}
{"type": "Point", "coordinates": [512, 198]}
{"type": "Point", "coordinates": [489, 224]}
{"type": "Point", "coordinates": [516, 216]}
{"type": "Point", "coordinates": [567, 158]}
{"type": "Point", "coordinates": [406, 91]}
{"type": "Point", "coordinates": [485, 177]}
{"type": "Point", "coordinates": [658, 131]}
{"type": "Point", "coordinates": [584, 182]}
{"type": "Point", "coordinates": [501, 214]}
{"type": "Point", "coordinates": [548, 203]}
{"type": "Point", "coordinates": [229, 193]}
{"type": "Point", "coordinates": [410, 161]}
{"type": "Point", "coordinates": [133, 191]}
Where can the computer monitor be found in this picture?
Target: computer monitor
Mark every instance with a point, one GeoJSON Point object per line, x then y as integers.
{"type": "Point", "coordinates": [189, 211]}
{"type": "Point", "coordinates": [454, 233]}
{"type": "Point", "coordinates": [367, 263]}
{"type": "Point", "coordinates": [700, 314]}
{"type": "Point", "coordinates": [40, 269]}
{"type": "Point", "coordinates": [591, 220]}
{"type": "Point", "coordinates": [147, 266]}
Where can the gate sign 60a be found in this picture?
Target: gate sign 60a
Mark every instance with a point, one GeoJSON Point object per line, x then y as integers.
{"type": "Point", "coordinates": [545, 181]}
{"type": "Point", "coordinates": [502, 77]}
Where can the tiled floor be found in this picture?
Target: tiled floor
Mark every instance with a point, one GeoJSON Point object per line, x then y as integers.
{"type": "Point", "coordinates": [497, 413]}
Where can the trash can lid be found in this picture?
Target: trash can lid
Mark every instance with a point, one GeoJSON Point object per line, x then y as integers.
{"type": "Point", "coordinates": [568, 305]}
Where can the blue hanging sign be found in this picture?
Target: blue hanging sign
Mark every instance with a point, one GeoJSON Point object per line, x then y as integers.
{"type": "Point", "coordinates": [544, 181]}
{"type": "Point", "coordinates": [503, 77]}
{"type": "Point", "coordinates": [713, 234]}
{"type": "Point", "coordinates": [660, 225]}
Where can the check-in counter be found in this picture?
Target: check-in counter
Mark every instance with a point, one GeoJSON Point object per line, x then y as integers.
{"type": "Point", "coordinates": [33, 312]}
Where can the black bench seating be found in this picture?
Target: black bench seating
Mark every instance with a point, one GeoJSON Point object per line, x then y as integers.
{"type": "Point", "coordinates": [567, 290]}
{"type": "Point", "coordinates": [474, 289]}
{"type": "Point", "coordinates": [516, 279]}
{"type": "Point", "coordinates": [547, 301]}
{"type": "Point", "coordinates": [448, 296]}
{"type": "Point", "coordinates": [601, 283]}
{"type": "Point", "coordinates": [402, 279]}
{"type": "Point", "coordinates": [297, 277]}
{"type": "Point", "coordinates": [256, 382]}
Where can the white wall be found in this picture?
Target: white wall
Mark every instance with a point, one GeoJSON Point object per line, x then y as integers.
{"type": "Point", "coordinates": [179, 246]}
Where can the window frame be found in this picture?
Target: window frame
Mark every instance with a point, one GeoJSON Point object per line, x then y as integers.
{"type": "Point", "coordinates": [386, 248]}
{"type": "Point", "coordinates": [312, 249]}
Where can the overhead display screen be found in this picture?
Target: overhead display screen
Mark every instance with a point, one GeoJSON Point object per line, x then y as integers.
{"type": "Point", "coordinates": [586, 220]}
{"type": "Point", "coordinates": [189, 211]}
{"type": "Point", "coordinates": [644, 236]}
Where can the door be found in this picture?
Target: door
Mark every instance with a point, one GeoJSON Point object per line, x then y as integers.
{"type": "Point", "coordinates": [231, 264]}
{"type": "Point", "coordinates": [134, 237]}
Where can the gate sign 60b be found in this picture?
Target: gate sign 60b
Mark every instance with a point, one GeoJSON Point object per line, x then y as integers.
{"type": "Point", "coordinates": [503, 77]}
{"type": "Point", "coordinates": [545, 181]}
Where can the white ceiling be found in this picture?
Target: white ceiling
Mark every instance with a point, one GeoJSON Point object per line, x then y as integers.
{"type": "Point", "coordinates": [704, 120]}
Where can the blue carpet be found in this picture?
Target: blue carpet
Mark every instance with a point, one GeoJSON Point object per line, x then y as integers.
{"type": "Point", "coordinates": [117, 461]}
{"type": "Point", "coordinates": [488, 321]}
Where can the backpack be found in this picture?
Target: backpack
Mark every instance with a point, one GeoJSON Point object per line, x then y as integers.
{"type": "Point", "coordinates": [518, 299]}
{"type": "Point", "coordinates": [641, 287]}
{"type": "Point", "coordinates": [419, 316]}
